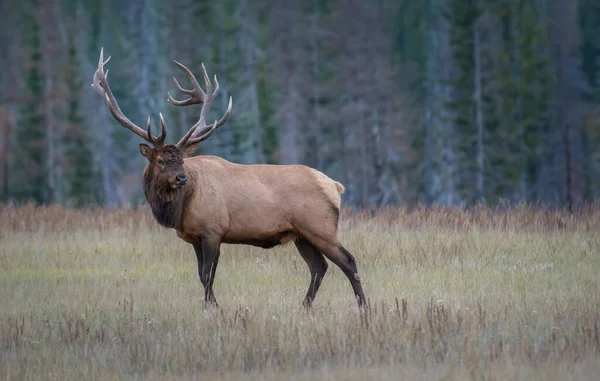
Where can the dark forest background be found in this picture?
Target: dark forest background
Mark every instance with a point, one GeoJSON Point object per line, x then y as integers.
{"type": "Point", "coordinates": [449, 102]}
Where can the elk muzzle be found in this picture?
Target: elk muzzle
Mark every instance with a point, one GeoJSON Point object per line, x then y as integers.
{"type": "Point", "coordinates": [180, 179]}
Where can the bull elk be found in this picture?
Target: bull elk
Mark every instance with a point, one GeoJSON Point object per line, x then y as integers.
{"type": "Point", "coordinates": [210, 201]}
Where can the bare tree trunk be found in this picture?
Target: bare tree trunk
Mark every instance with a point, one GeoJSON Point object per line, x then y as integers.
{"type": "Point", "coordinates": [316, 87]}
{"type": "Point", "coordinates": [568, 168]}
{"type": "Point", "coordinates": [289, 136]}
{"type": "Point", "coordinates": [343, 147]}
{"type": "Point", "coordinates": [565, 36]}
{"type": "Point", "coordinates": [430, 170]}
{"type": "Point", "coordinates": [441, 139]}
{"type": "Point", "coordinates": [249, 45]}
{"type": "Point", "coordinates": [289, 73]}
{"type": "Point", "coordinates": [523, 149]}
{"type": "Point", "coordinates": [226, 133]}
{"type": "Point", "coordinates": [5, 125]}
{"type": "Point", "coordinates": [364, 162]}
{"type": "Point", "coordinates": [479, 111]}
{"type": "Point", "coordinates": [384, 162]}
{"type": "Point", "coordinates": [5, 151]}
{"type": "Point", "coordinates": [48, 44]}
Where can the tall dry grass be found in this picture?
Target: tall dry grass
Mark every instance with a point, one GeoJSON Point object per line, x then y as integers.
{"type": "Point", "coordinates": [480, 294]}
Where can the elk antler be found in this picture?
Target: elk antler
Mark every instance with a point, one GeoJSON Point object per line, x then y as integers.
{"type": "Point", "coordinates": [199, 131]}
{"type": "Point", "coordinates": [100, 84]}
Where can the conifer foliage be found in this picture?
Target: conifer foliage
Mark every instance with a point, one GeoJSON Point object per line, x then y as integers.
{"type": "Point", "coordinates": [448, 102]}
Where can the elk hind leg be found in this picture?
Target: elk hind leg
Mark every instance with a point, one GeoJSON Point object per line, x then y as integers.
{"type": "Point", "coordinates": [337, 254]}
{"type": "Point", "coordinates": [316, 264]}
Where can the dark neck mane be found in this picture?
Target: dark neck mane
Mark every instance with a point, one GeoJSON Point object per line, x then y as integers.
{"type": "Point", "coordinates": [167, 204]}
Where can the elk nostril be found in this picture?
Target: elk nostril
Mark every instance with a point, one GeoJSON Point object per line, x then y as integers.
{"type": "Point", "coordinates": [181, 179]}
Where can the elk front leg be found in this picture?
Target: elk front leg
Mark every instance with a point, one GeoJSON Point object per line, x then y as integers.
{"type": "Point", "coordinates": [200, 258]}
{"type": "Point", "coordinates": [316, 264]}
{"type": "Point", "coordinates": [211, 250]}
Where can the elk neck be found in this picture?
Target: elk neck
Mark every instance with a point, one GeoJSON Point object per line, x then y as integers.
{"type": "Point", "coordinates": [167, 204]}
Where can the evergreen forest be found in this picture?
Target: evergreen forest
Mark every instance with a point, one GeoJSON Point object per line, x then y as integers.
{"type": "Point", "coordinates": [442, 102]}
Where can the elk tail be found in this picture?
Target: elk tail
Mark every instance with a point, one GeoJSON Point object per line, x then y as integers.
{"type": "Point", "coordinates": [340, 187]}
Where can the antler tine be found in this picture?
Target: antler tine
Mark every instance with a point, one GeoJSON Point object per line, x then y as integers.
{"type": "Point", "coordinates": [151, 138]}
{"type": "Point", "coordinates": [185, 91]}
{"type": "Point", "coordinates": [185, 138]}
{"type": "Point", "coordinates": [190, 76]}
{"type": "Point", "coordinates": [197, 95]}
{"type": "Point", "coordinates": [207, 130]}
{"type": "Point", "coordinates": [100, 84]}
{"type": "Point", "coordinates": [204, 135]}
{"type": "Point", "coordinates": [100, 73]}
{"type": "Point", "coordinates": [199, 131]}
{"type": "Point", "coordinates": [226, 115]}
{"type": "Point", "coordinates": [157, 141]}
{"type": "Point", "coordinates": [163, 133]}
{"type": "Point", "coordinates": [206, 80]}
{"type": "Point", "coordinates": [216, 92]}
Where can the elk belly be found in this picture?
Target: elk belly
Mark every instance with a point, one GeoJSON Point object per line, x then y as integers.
{"type": "Point", "coordinates": [266, 242]}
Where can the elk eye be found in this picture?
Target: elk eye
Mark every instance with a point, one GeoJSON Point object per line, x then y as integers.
{"type": "Point", "coordinates": [160, 162]}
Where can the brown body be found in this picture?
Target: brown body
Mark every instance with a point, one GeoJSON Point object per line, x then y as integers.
{"type": "Point", "coordinates": [262, 205]}
{"type": "Point", "coordinates": [210, 201]}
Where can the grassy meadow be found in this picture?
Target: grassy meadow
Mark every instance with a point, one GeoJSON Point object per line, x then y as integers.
{"type": "Point", "coordinates": [477, 295]}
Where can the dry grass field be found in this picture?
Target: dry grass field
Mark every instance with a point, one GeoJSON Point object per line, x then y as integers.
{"type": "Point", "coordinates": [481, 295]}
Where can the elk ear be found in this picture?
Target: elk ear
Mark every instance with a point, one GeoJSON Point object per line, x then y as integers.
{"type": "Point", "coordinates": [189, 152]}
{"type": "Point", "coordinates": [145, 150]}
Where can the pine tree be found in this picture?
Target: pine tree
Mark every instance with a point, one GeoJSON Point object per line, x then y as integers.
{"type": "Point", "coordinates": [29, 162]}
{"type": "Point", "coordinates": [589, 23]}
{"type": "Point", "coordinates": [78, 154]}
{"type": "Point", "coordinates": [462, 16]}
{"type": "Point", "coordinates": [441, 134]}
{"type": "Point", "coordinates": [518, 95]}
{"type": "Point", "coordinates": [410, 31]}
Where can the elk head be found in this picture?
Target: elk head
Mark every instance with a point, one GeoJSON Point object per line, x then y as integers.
{"type": "Point", "coordinates": [165, 162]}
